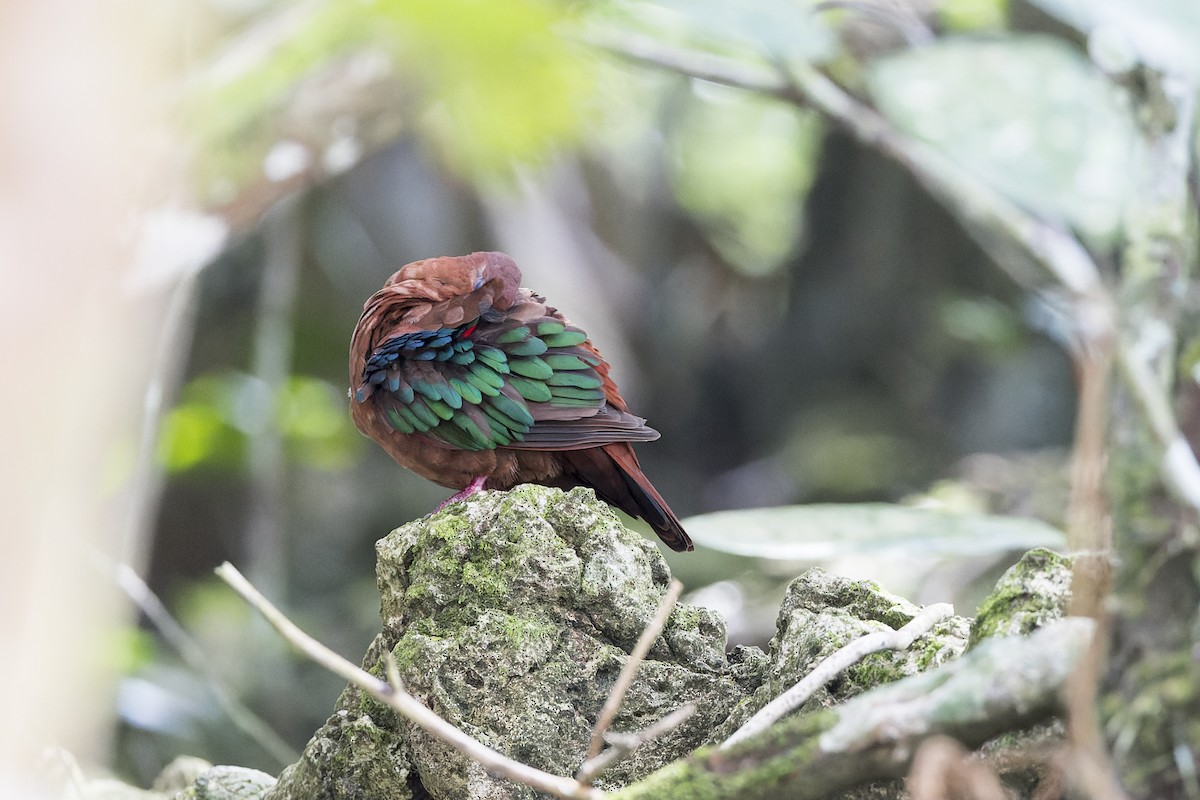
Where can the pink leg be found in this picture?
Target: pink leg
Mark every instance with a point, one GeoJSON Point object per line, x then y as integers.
{"type": "Point", "coordinates": [472, 487]}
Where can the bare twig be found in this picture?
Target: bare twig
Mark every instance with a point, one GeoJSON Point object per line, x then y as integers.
{"type": "Point", "coordinates": [169, 628]}
{"type": "Point", "coordinates": [997, 223]}
{"type": "Point", "coordinates": [944, 768]}
{"type": "Point", "coordinates": [1003, 684]}
{"type": "Point", "coordinates": [404, 703]}
{"type": "Point", "coordinates": [625, 743]}
{"type": "Point", "coordinates": [1179, 468]}
{"type": "Point", "coordinates": [838, 661]}
{"type": "Point", "coordinates": [645, 641]}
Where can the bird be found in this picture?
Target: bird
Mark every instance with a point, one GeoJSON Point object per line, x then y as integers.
{"type": "Point", "coordinates": [473, 382]}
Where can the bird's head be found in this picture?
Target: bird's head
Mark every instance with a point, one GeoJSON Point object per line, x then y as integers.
{"type": "Point", "coordinates": [444, 277]}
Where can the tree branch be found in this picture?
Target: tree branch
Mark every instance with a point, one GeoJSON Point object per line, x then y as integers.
{"type": "Point", "coordinates": [404, 703]}
{"type": "Point", "coordinates": [836, 663]}
{"type": "Point", "coordinates": [1004, 684]}
{"type": "Point", "coordinates": [995, 221]}
{"type": "Point", "coordinates": [174, 634]}
{"type": "Point", "coordinates": [613, 704]}
{"type": "Point", "coordinates": [623, 744]}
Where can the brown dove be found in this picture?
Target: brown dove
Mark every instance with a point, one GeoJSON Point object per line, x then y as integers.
{"type": "Point", "coordinates": [474, 383]}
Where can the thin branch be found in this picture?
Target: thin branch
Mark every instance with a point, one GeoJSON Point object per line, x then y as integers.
{"type": "Point", "coordinates": [985, 212]}
{"type": "Point", "coordinates": [404, 703]}
{"type": "Point", "coordinates": [625, 679]}
{"type": "Point", "coordinates": [181, 641]}
{"type": "Point", "coordinates": [623, 744]}
{"type": "Point", "coordinates": [835, 664]}
{"type": "Point", "coordinates": [1180, 470]}
{"type": "Point", "coordinates": [1003, 684]}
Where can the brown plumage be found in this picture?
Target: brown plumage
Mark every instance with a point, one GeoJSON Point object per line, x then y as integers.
{"type": "Point", "coordinates": [472, 382]}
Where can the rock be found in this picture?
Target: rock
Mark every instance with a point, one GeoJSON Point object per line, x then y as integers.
{"type": "Point", "coordinates": [510, 615]}
{"type": "Point", "coordinates": [820, 614]}
{"type": "Point", "coordinates": [187, 778]}
{"type": "Point", "coordinates": [181, 773]}
{"type": "Point", "coordinates": [228, 783]}
{"type": "Point", "coordinates": [1031, 593]}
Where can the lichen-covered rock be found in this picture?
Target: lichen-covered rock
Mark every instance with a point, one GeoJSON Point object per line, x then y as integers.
{"type": "Point", "coordinates": [1031, 593]}
{"type": "Point", "coordinates": [185, 778]}
{"type": "Point", "coordinates": [820, 614]}
{"type": "Point", "coordinates": [180, 774]}
{"type": "Point", "coordinates": [510, 615]}
{"type": "Point", "coordinates": [228, 783]}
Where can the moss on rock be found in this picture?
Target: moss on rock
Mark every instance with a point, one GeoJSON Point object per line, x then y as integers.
{"type": "Point", "coordinates": [820, 614]}
{"type": "Point", "coordinates": [1030, 594]}
{"type": "Point", "coordinates": [510, 615]}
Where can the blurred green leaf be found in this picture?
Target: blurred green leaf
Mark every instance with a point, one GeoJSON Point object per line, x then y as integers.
{"type": "Point", "coordinates": [980, 320]}
{"type": "Point", "coordinates": [743, 165]}
{"type": "Point", "coordinates": [218, 412]}
{"type": "Point", "coordinates": [489, 84]}
{"type": "Point", "coordinates": [1031, 116]}
{"type": "Point", "coordinates": [972, 15]}
{"type": "Point", "coordinates": [312, 416]}
{"type": "Point", "coordinates": [823, 532]}
{"type": "Point", "coordinates": [191, 434]}
{"type": "Point", "coordinates": [129, 649]}
{"type": "Point", "coordinates": [1163, 33]}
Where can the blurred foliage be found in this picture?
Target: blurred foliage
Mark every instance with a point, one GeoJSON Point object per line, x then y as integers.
{"type": "Point", "coordinates": [962, 16]}
{"type": "Point", "coordinates": [218, 413]}
{"type": "Point", "coordinates": [488, 85]}
{"type": "Point", "coordinates": [1054, 135]}
{"type": "Point", "coordinates": [742, 166]}
{"type": "Point", "coordinates": [1159, 33]}
{"type": "Point", "coordinates": [779, 30]}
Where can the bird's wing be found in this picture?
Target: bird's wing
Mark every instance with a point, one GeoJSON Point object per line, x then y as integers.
{"type": "Point", "coordinates": [472, 377]}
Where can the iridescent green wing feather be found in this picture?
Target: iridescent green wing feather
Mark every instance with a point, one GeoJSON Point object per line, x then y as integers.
{"type": "Point", "coordinates": [523, 379]}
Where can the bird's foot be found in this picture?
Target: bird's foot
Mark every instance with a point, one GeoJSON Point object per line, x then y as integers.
{"type": "Point", "coordinates": [471, 488]}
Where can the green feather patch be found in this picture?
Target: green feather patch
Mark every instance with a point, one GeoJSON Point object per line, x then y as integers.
{"type": "Point", "coordinates": [533, 346]}
{"type": "Point", "coordinates": [498, 419]}
{"type": "Point", "coordinates": [478, 437]}
{"type": "Point", "coordinates": [577, 394]}
{"type": "Point", "coordinates": [577, 379]}
{"type": "Point", "coordinates": [532, 367]}
{"type": "Point", "coordinates": [565, 339]}
{"type": "Point", "coordinates": [570, 402]}
{"type": "Point", "coordinates": [441, 409]}
{"type": "Point", "coordinates": [450, 396]}
{"type": "Point", "coordinates": [459, 438]}
{"type": "Point", "coordinates": [551, 327]}
{"type": "Point", "coordinates": [559, 361]}
{"type": "Point", "coordinates": [513, 408]}
{"type": "Point", "coordinates": [422, 412]}
{"type": "Point", "coordinates": [413, 420]}
{"type": "Point", "coordinates": [468, 392]}
{"type": "Point", "coordinates": [518, 334]}
{"type": "Point", "coordinates": [533, 391]}
{"type": "Point", "coordinates": [397, 421]}
{"type": "Point", "coordinates": [581, 380]}
{"type": "Point", "coordinates": [502, 434]}
{"type": "Point", "coordinates": [487, 375]}
{"type": "Point", "coordinates": [427, 390]}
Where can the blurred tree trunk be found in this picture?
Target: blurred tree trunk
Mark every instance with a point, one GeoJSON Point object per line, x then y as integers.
{"type": "Point", "coordinates": [1150, 697]}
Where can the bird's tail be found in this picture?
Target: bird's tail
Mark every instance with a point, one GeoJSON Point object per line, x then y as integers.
{"type": "Point", "coordinates": [614, 473]}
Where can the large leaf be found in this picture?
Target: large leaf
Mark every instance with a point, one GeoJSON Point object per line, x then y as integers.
{"type": "Point", "coordinates": [823, 532]}
{"type": "Point", "coordinates": [1029, 115]}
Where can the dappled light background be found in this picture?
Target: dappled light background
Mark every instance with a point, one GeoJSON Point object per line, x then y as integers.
{"type": "Point", "coordinates": [800, 321]}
